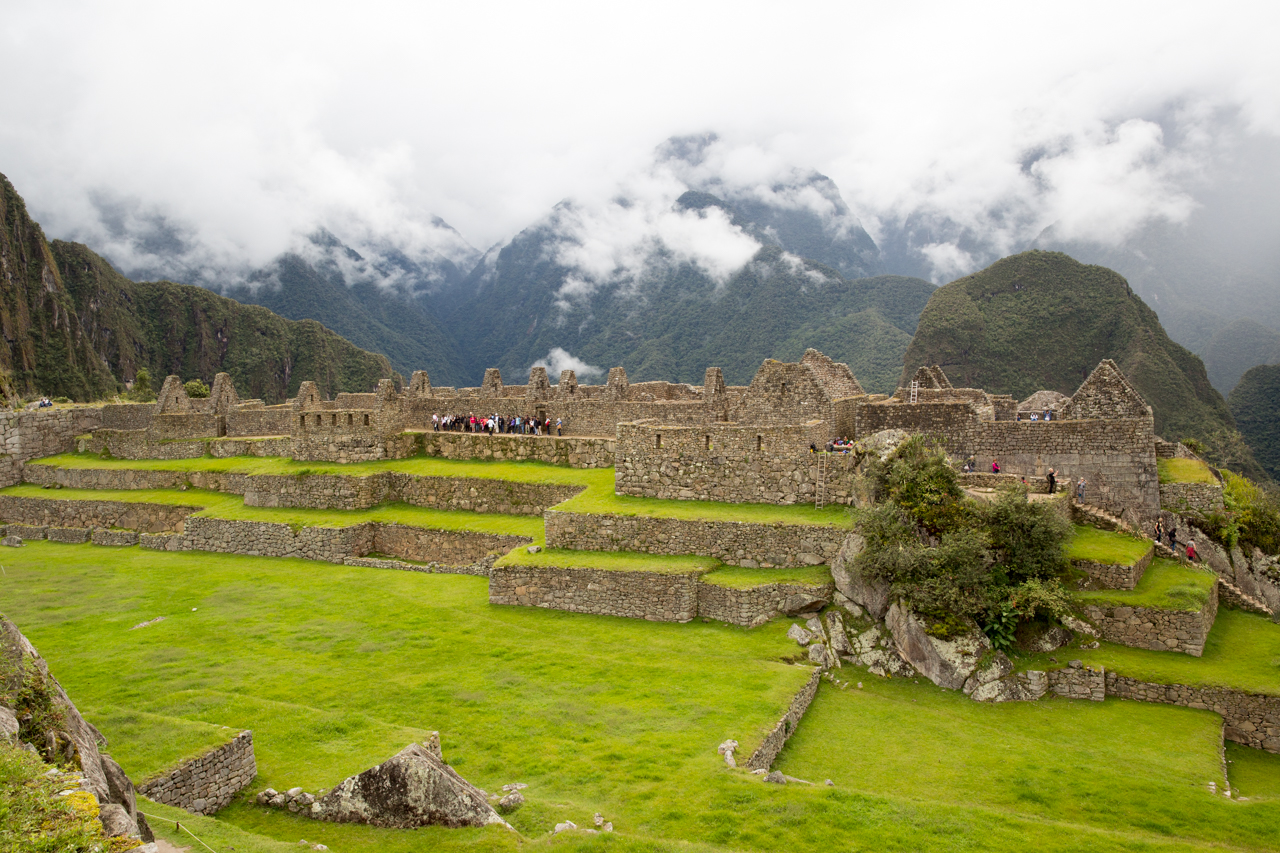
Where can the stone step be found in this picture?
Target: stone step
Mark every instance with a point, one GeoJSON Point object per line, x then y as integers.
{"type": "Point", "coordinates": [1251, 602]}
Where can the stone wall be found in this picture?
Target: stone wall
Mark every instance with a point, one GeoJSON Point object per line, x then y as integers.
{"type": "Point", "coordinates": [185, 425]}
{"type": "Point", "coordinates": [730, 462]}
{"type": "Point", "coordinates": [1250, 719]}
{"type": "Point", "coordinates": [955, 422]}
{"type": "Point", "coordinates": [335, 544]}
{"type": "Point", "coordinates": [1078, 682]}
{"type": "Point", "coordinates": [146, 517]}
{"type": "Point", "coordinates": [127, 416]}
{"type": "Point", "coordinates": [1160, 630]}
{"type": "Point", "coordinates": [258, 421]}
{"type": "Point", "coordinates": [41, 432]}
{"type": "Point", "coordinates": [654, 596]}
{"type": "Point", "coordinates": [135, 444]}
{"type": "Point", "coordinates": [207, 783]}
{"type": "Point", "coordinates": [1115, 576]}
{"type": "Point", "coordinates": [751, 607]}
{"type": "Point", "coordinates": [324, 491]}
{"type": "Point", "coordinates": [225, 448]}
{"type": "Point", "coordinates": [767, 751]}
{"type": "Point", "coordinates": [555, 450]}
{"type": "Point", "coordinates": [1191, 497]}
{"type": "Point", "coordinates": [734, 542]}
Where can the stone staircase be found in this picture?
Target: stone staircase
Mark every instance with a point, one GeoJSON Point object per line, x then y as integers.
{"type": "Point", "coordinates": [1233, 596]}
{"type": "Point", "coordinates": [1099, 517]}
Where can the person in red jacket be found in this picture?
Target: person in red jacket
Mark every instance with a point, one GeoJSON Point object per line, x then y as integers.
{"type": "Point", "coordinates": [995, 467]}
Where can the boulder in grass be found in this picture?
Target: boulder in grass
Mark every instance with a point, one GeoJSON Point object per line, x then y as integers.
{"type": "Point", "coordinates": [413, 788]}
{"type": "Point", "coordinates": [11, 541]}
{"type": "Point", "coordinates": [947, 663]}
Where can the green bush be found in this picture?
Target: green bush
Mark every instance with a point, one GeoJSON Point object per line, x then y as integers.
{"type": "Point", "coordinates": [196, 389]}
{"type": "Point", "coordinates": [141, 391]}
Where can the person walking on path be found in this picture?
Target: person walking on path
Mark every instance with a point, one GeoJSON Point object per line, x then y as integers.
{"type": "Point", "coordinates": [1053, 480]}
{"type": "Point", "coordinates": [1191, 551]}
{"type": "Point", "coordinates": [1173, 540]}
{"type": "Point", "coordinates": [1080, 490]}
{"type": "Point", "coordinates": [559, 426]}
{"type": "Point", "coordinates": [1158, 533]}
{"type": "Point", "coordinates": [995, 466]}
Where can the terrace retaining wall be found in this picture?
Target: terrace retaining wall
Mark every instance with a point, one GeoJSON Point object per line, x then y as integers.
{"type": "Point", "coordinates": [1191, 497]}
{"type": "Point", "coordinates": [1160, 630]}
{"type": "Point", "coordinates": [654, 596]}
{"type": "Point", "coordinates": [751, 607]}
{"type": "Point", "coordinates": [40, 432]}
{"type": "Point", "coordinates": [146, 517]}
{"type": "Point", "coordinates": [574, 452]}
{"type": "Point", "coordinates": [734, 542]}
{"type": "Point", "coordinates": [205, 784]}
{"type": "Point", "coordinates": [1115, 576]}
{"type": "Point", "coordinates": [1250, 719]}
{"type": "Point", "coordinates": [767, 751]}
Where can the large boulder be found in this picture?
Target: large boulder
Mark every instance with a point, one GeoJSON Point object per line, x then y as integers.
{"type": "Point", "coordinates": [870, 595]}
{"type": "Point", "coordinates": [947, 663]}
{"type": "Point", "coordinates": [413, 788]}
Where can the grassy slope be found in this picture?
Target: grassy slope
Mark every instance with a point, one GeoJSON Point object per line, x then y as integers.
{"type": "Point", "coordinates": [1242, 652]}
{"type": "Point", "coordinates": [736, 577]}
{"type": "Point", "coordinates": [1165, 585]}
{"type": "Point", "coordinates": [1105, 546]}
{"type": "Point", "coordinates": [595, 713]}
{"type": "Point", "coordinates": [1040, 320]}
{"type": "Point", "coordinates": [614, 561]}
{"type": "Point", "coordinates": [1185, 471]}
{"type": "Point", "coordinates": [1109, 765]}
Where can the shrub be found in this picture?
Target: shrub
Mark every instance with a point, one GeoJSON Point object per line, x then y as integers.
{"type": "Point", "coordinates": [1028, 540]}
{"type": "Point", "coordinates": [196, 389]}
{"type": "Point", "coordinates": [62, 399]}
{"type": "Point", "coordinates": [141, 392]}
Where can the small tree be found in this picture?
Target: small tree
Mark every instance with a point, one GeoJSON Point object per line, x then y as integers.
{"type": "Point", "coordinates": [142, 392]}
{"type": "Point", "coordinates": [196, 389]}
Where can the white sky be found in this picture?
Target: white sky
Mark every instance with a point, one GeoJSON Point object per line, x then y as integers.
{"type": "Point", "coordinates": [250, 123]}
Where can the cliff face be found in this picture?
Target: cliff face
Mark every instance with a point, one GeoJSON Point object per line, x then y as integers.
{"type": "Point", "coordinates": [45, 348]}
{"type": "Point", "coordinates": [75, 327]}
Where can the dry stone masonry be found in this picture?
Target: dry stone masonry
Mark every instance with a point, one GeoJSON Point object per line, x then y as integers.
{"type": "Point", "coordinates": [205, 784]}
{"type": "Point", "coordinates": [1160, 630]}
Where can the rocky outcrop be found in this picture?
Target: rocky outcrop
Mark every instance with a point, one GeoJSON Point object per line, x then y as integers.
{"type": "Point", "coordinates": [413, 788]}
{"type": "Point", "coordinates": [50, 722]}
{"type": "Point", "coordinates": [946, 662]}
{"type": "Point", "coordinates": [872, 595]}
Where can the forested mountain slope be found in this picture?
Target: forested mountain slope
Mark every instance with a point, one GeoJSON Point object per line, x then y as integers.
{"type": "Point", "coordinates": [76, 327]}
{"type": "Point", "coordinates": [1042, 320]}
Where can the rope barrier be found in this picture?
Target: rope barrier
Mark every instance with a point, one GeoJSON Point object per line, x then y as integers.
{"type": "Point", "coordinates": [178, 825]}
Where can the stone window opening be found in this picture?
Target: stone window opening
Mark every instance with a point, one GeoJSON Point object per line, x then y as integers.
{"type": "Point", "coordinates": [708, 444]}
{"type": "Point", "coordinates": [302, 420]}
{"type": "Point", "coordinates": [366, 420]}
{"type": "Point", "coordinates": [759, 442]}
{"type": "Point", "coordinates": [351, 419]}
{"type": "Point", "coordinates": [318, 417]}
{"type": "Point", "coordinates": [657, 440]}
{"type": "Point", "coordinates": [334, 421]}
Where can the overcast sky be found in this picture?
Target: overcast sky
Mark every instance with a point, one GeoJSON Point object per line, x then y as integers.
{"type": "Point", "coordinates": [248, 124]}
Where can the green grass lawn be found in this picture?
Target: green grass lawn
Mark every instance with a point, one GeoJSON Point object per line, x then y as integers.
{"type": "Point", "coordinates": [736, 577]}
{"type": "Point", "coordinates": [1105, 546]}
{"type": "Point", "coordinates": [1110, 765]}
{"type": "Point", "coordinates": [1242, 652]}
{"type": "Point", "coordinates": [1184, 471]}
{"type": "Point", "coordinates": [616, 561]}
{"type": "Point", "coordinates": [597, 484]}
{"type": "Point", "coordinates": [222, 505]}
{"type": "Point", "coordinates": [1253, 773]}
{"type": "Point", "coordinates": [1166, 585]}
{"type": "Point", "coordinates": [336, 668]}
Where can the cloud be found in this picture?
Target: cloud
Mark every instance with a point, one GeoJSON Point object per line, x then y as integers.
{"type": "Point", "coordinates": [237, 129]}
{"type": "Point", "coordinates": [558, 359]}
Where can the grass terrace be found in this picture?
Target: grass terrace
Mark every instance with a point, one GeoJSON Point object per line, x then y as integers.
{"type": "Point", "coordinates": [1242, 652]}
{"type": "Point", "coordinates": [597, 497]}
{"type": "Point", "coordinates": [735, 577]}
{"type": "Point", "coordinates": [1166, 585]}
{"type": "Point", "coordinates": [222, 505]}
{"type": "Point", "coordinates": [1185, 471]}
{"type": "Point", "coordinates": [1253, 773]}
{"type": "Point", "coordinates": [595, 713]}
{"type": "Point", "coordinates": [1105, 546]}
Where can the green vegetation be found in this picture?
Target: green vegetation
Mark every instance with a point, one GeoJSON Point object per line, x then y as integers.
{"type": "Point", "coordinates": [736, 577]}
{"type": "Point", "coordinates": [182, 740]}
{"type": "Point", "coordinates": [196, 389]}
{"type": "Point", "coordinates": [1251, 517]}
{"type": "Point", "coordinates": [1242, 652]}
{"type": "Point", "coordinates": [612, 561]}
{"type": "Point", "coordinates": [33, 818]}
{"type": "Point", "coordinates": [1107, 547]}
{"type": "Point", "coordinates": [1253, 773]}
{"type": "Point", "coordinates": [1113, 767]}
{"type": "Point", "coordinates": [613, 715]}
{"type": "Point", "coordinates": [1255, 403]}
{"type": "Point", "coordinates": [956, 560]}
{"type": "Point", "coordinates": [1185, 471]}
{"type": "Point", "coordinates": [141, 392]}
{"type": "Point", "coordinates": [1040, 320]}
{"type": "Point", "coordinates": [1165, 585]}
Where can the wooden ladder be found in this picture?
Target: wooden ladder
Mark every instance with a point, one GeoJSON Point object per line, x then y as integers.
{"type": "Point", "coordinates": [820, 488]}
{"type": "Point", "coordinates": [915, 389]}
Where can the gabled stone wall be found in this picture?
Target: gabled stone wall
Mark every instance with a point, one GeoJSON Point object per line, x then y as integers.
{"type": "Point", "coordinates": [205, 784]}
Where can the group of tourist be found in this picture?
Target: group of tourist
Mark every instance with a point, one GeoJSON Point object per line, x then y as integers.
{"type": "Point", "coordinates": [835, 445]}
{"type": "Point", "coordinates": [970, 466]}
{"type": "Point", "coordinates": [495, 424]}
{"type": "Point", "coordinates": [1036, 416]}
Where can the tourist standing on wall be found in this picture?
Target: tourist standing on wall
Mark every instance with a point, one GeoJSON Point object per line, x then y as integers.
{"type": "Point", "coordinates": [1080, 490]}
{"type": "Point", "coordinates": [559, 426]}
{"type": "Point", "coordinates": [1053, 480]}
{"type": "Point", "coordinates": [995, 466]}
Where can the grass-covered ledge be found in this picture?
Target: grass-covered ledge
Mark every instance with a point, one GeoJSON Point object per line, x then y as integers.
{"type": "Point", "coordinates": [1166, 585]}
{"type": "Point", "coordinates": [736, 577]}
{"type": "Point", "coordinates": [1185, 471]}
{"type": "Point", "coordinates": [1105, 546]}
